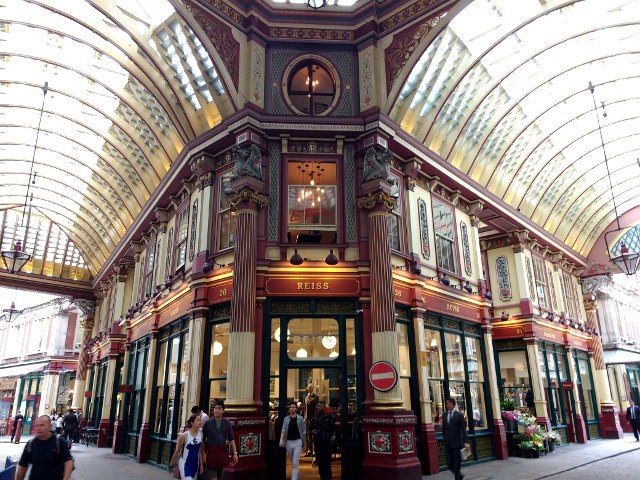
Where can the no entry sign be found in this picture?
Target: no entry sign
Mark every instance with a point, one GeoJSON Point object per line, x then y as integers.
{"type": "Point", "coordinates": [383, 376]}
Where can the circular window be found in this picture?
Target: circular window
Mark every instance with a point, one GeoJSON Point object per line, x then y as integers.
{"type": "Point", "coordinates": [311, 87]}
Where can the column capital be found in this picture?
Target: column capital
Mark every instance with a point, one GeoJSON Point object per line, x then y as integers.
{"type": "Point", "coordinates": [87, 322]}
{"type": "Point", "coordinates": [87, 306]}
{"type": "Point", "coordinates": [475, 221]}
{"type": "Point", "coordinates": [378, 199]}
{"type": "Point", "coordinates": [247, 195]}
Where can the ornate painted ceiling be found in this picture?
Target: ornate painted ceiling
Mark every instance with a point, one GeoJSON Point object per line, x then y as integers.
{"type": "Point", "coordinates": [499, 90]}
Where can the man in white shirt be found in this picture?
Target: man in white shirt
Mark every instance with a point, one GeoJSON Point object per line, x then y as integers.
{"type": "Point", "coordinates": [196, 410]}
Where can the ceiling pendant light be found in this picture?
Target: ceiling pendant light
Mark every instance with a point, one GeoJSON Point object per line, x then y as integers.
{"type": "Point", "coordinates": [329, 341]}
{"type": "Point", "coordinates": [302, 353]}
{"type": "Point", "coordinates": [217, 348]}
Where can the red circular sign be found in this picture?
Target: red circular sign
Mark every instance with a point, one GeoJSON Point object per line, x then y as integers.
{"type": "Point", "coordinates": [383, 376]}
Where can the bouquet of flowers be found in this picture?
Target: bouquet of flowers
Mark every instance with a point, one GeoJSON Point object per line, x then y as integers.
{"type": "Point", "coordinates": [510, 414]}
{"type": "Point", "coordinates": [554, 437]}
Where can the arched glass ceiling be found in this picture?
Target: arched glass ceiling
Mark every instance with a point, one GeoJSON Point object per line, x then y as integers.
{"type": "Point", "coordinates": [502, 94]}
{"type": "Point", "coordinates": [129, 84]}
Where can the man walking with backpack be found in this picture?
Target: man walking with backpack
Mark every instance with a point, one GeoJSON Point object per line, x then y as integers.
{"type": "Point", "coordinates": [48, 454]}
{"type": "Point", "coordinates": [69, 424]}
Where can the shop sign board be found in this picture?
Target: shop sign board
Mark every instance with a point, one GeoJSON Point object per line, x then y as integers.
{"type": "Point", "coordinates": [312, 286]}
{"type": "Point", "coordinates": [63, 395]}
{"type": "Point", "coordinates": [383, 376]}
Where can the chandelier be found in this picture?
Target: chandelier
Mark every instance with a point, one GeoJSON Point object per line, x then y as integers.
{"type": "Point", "coordinates": [625, 260]}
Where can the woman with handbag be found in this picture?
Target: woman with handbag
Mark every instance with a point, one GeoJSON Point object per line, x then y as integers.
{"type": "Point", "coordinates": [189, 455]}
{"type": "Point", "coordinates": [219, 443]}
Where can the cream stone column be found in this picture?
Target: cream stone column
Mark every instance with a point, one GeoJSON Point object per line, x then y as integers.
{"type": "Point", "coordinates": [109, 385]}
{"type": "Point", "coordinates": [48, 392]}
{"type": "Point", "coordinates": [195, 343]}
{"type": "Point", "coordinates": [384, 341]}
{"type": "Point", "coordinates": [204, 166]}
{"type": "Point", "coordinates": [246, 200]}
{"type": "Point", "coordinates": [493, 402]}
{"type": "Point", "coordinates": [87, 323]}
{"type": "Point", "coordinates": [537, 384]}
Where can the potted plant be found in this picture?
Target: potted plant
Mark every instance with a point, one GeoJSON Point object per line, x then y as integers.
{"type": "Point", "coordinates": [554, 439]}
{"type": "Point", "coordinates": [526, 446]}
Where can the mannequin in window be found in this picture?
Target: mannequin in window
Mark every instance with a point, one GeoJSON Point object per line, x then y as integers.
{"type": "Point", "coordinates": [310, 403]}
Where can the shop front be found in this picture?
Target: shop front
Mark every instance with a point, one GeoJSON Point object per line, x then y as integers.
{"type": "Point", "coordinates": [313, 355]}
{"type": "Point", "coordinates": [29, 400]}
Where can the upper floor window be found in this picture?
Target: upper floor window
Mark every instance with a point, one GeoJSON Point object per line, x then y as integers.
{"type": "Point", "coordinates": [181, 238]}
{"type": "Point", "coordinates": [541, 282]}
{"type": "Point", "coordinates": [395, 217]}
{"type": "Point", "coordinates": [311, 88]}
{"type": "Point", "coordinates": [312, 202]}
{"type": "Point", "coordinates": [443, 223]}
{"type": "Point", "coordinates": [567, 295]}
{"type": "Point", "coordinates": [148, 272]}
{"type": "Point", "coordinates": [226, 218]}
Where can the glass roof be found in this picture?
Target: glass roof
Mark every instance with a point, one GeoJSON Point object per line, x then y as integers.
{"type": "Point", "coordinates": [129, 84]}
{"type": "Point", "coordinates": [502, 94]}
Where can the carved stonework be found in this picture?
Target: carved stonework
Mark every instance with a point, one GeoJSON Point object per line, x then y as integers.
{"type": "Point", "coordinates": [378, 198]}
{"type": "Point", "coordinates": [380, 442]}
{"type": "Point", "coordinates": [591, 285]}
{"type": "Point", "coordinates": [87, 322]}
{"type": "Point", "coordinates": [205, 180]}
{"type": "Point", "coordinates": [532, 288]}
{"type": "Point", "coordinates": [376, 164]}
{"type": "Point", "coordinates": [475, 221]}
{"type": "Point", "coordinates": [87, 306]}
{"type": "Point", "coordinates": [410, 183]}
{"type": "Point", "coordinates": [403, 46]}
{"type": "Point", "coordinates": [465, 248]}
{"type": "Point", "coordinates": [424, 229]}
{"type": "Point", "coordinates": [248, 161]}
{"type": "Point", "coordinates": [504, 285]}
{"type": "Point", "coordinates": [221, 37]}
{"type": "Point", "coordinates": [246, 195]}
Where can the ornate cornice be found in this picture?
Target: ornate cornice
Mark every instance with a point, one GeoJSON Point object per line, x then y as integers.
{"type": "Point", "coordinates": [87, 306]}
{"type": "Point", "coordinates": [246, 195]}
{"type": "Point", "coordinates": [371, 200]}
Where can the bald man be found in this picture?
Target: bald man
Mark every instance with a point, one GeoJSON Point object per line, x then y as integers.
{"type": "Point", "coordinates": [50, 458]}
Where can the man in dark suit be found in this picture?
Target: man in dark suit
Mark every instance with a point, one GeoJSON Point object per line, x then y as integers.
{"type": "Point", "coordinates": [633, 417]}
{"type": "Point", "coordinates": [454, 431]}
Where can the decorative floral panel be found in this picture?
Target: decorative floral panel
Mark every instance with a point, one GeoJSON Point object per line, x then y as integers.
{"type": "Point", "coordinates": [405, 442]}
{"type": "Point", "coordinates": [424, 228]}
{"type": "Point", "coordinates": [552, 286]}
{"type": "Point", "coordinates": [532, 288]}
{"type": "Point", "coordinates": [194, 226]}
{"type": "Point", "coordinates": [504, 285]}
{"type": "Point", "coordinates": [167, 262]}
{"type": "Point", "coordinates": [465, 248]}
{"type": "Point", "coordinates": [140, 278]}
{"type": "Point", "coordinates": [249, 444]}
{"type": "Point", "coordinates": [380, 442]}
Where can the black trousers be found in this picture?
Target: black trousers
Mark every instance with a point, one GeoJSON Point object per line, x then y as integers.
{"type": "Point", "coordinates": [635, 424]}
{"type": "Point", "coordinates": [323, 458]}
{"type": "Point", "coordinates": [454, 461]}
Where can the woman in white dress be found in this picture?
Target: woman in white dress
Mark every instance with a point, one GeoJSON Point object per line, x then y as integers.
{"type": "Point", "coordinates": [189, 455]}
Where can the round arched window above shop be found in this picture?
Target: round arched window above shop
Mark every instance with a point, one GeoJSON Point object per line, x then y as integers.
{"type": "Point", "coordinates": [311, 87]}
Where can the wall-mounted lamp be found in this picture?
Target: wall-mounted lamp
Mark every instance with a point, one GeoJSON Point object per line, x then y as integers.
{"type": "Point", "coordinates": [445, 280]}
{"type": "Point", "coordinates": [210, 264]}
{"type": "Point", "coordinates": [331, 259]}
{"type": "Point", "coordinates": [296, 259]}
{"type": "Point", "coordinates": [10, 314]}
{"type": "Point", "coordinates": [467, 286]}
{"type": "Point", "coordinates": [504, 317]}
{"type": "Point", "coordinates": [488, 295]}
{"type": "Point", "coordinates": [549, 316]}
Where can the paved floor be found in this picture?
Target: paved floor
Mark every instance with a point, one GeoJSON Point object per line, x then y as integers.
{"type": "Point", "coordinates": [596, 460]}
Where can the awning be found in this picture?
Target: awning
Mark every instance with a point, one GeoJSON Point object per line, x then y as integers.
{"type": "Point", "coordinates": [621, 356]}
{"type": "Point", "coordinates": [20, 370]}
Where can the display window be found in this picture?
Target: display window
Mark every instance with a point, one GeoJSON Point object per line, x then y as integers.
{"type": "Point", "coordinates": [137, 373]}
{"type": "Point", "coordinates": [168, 389]}
{"type": "Point", "coordinates": [217, 358]}
{"type": "Point", "coordinates": [456, 368]}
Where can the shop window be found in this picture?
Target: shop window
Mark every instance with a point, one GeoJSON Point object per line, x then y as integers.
{"type": "Point", "coordinates": [553, 368]}
{"type": "Point", "coordinates": [443, 226]}
{"type": "Point", "coordinates": [312, 202]}
{"type": "Point", "coordinates": [226, 218]}
{"type": "Point", "coordinates": [182, 230]}
{"type": "Point", "coordinates": [218, 360]}
{"type": "Point", "coordinates": [455, 368]}
{"type": "Point", "coordinates": [404, 364]}
{"type": "Point", "coordinates": [588, 395]}
{"type": "Point", "coordinates": [136, 376]}
{"type": "Point", "coordinates": [312, 338]}
{"type": "Point", "coordinates": [169, 381]}
{"type": "Point", "coordinates": [395, 217]}
{"type": "Point", "coordinates": [148, 273]}
{"type": "Point", "coordinates": [515, 381]}
{"type": "Point", "coordinates": [311, 88]}
{"type": "Point", "coordinates": [541, 282]}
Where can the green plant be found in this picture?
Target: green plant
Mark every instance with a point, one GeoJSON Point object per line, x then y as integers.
{"type": "Point", "coordinates": [525, 445]}
{"type": "Point", "coordinates": [520, 437]}
{"type": "Point", "coordinates": [508, 405]}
